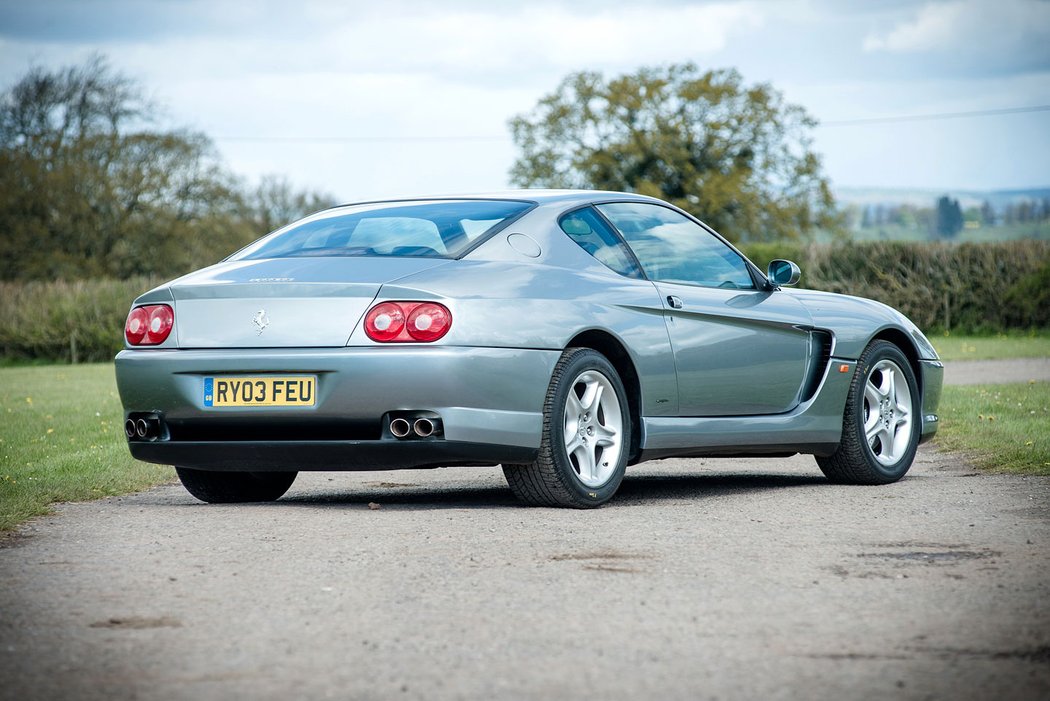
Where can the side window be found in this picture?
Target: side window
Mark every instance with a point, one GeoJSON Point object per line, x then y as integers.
{"type": "Point", "coordinates": [587, 229]}
{"type": "Point", "coordinates": [673, 248]}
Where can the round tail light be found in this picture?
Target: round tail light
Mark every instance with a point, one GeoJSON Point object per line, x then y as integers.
{"type": "Point", "coordinates": [385, 322]}
{"type": "Point", "coordinates": [149, 325]}
{"type": "Point", "coordinates": [428, 322]}
{"type": "Point", "coordinates": [407, 322]}
{"type": "Point", "coordinates": [136, 325]}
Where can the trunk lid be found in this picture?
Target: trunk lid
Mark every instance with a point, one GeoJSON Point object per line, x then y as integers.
{"type": "Point", "coordinates": [280, 303]}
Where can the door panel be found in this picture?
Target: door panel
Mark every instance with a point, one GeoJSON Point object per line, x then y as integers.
{"type": "Point", "coordinates": [737, 352]}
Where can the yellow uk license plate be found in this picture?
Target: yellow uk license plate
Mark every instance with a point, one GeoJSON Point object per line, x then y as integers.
{"type": "Point", "coordinates": [272, 390]}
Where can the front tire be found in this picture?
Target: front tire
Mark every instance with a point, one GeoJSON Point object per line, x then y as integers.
{"type": "Point", "coordinates": [586, 436]}
{"type": "Point", "coordinates": [235, 487]}
{"type": "Point", "coordinates": [881, 425]}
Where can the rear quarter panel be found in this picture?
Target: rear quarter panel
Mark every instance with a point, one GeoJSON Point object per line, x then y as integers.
{"type": "Point", "coordinates": [498, 304]}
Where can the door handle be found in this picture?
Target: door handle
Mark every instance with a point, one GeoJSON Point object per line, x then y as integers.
{"type": "Point", "coordinates": [674, 302]}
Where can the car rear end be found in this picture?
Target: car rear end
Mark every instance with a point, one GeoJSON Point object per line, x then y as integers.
{"type": "Point", "coordinates": [311, 357]}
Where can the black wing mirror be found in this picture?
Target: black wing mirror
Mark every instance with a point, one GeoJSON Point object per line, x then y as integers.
{"type": "Point", "coordinates": [783, 272]}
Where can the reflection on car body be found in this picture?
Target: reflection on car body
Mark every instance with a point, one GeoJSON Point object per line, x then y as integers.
{"type": "Point", "coordinates": [561, 334]}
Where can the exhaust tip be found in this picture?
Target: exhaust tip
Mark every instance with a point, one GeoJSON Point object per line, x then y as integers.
{"type": "Point", "coordinates": [141, 428]}
{"type": "Point", "coordinates": [129, 428]}
{"type": "Point", "coordinates": [400, 428]}
{"type": "Point", "coordinates": [423, 427]}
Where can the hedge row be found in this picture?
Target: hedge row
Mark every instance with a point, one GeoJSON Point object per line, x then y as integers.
{"type": "Point", "coordinates": [968, 288]}
{"type": "Point", "coordinates": [79, 321]}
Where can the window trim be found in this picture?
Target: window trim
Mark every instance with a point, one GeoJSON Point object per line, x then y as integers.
{"type": "Point", "coordinates": [615, 232]}
{"type": "Point", "coordinates": [759, 282]}
{"type": "Point", "coordinates": [532, 204]}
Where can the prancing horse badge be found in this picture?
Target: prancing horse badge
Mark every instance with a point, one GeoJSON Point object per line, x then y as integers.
{"type": "Point", "coordinates": [261, 320]}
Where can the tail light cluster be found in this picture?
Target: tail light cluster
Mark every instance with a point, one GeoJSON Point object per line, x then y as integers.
{"type": "Point", "coordinates": [407, 322]}
{"type": "Point", "coordinates": [149, 325]}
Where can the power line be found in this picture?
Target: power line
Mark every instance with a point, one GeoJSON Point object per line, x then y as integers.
{"type": "Point", "coordinates": [934, 117]}
{"type": "Point", "coordinates": [359, 139]}
{"type": "Point", "coordinates": [492, 137]}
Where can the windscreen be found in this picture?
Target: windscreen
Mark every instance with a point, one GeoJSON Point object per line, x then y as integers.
{"type": "Point", "coordinates": [427, 229]}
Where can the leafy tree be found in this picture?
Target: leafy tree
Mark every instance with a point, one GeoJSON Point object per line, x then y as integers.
{"type": "Point", "coordinates": [949, 216]}
{"type": "Point", "coordinates": [737, 156]}
{"type": "Point", "coordinates": [88, 188]}
{"type": "Point", "coordinates": [274, 203]}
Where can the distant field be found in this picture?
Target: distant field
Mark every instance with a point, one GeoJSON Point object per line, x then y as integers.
{"type": "Point", "coordinates": [1006, 232]}
{"type": "Point", "coordinates": [62, 439]}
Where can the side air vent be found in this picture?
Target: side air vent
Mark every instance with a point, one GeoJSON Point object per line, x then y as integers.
{"type": "Point", "coordinates": [819, 355]}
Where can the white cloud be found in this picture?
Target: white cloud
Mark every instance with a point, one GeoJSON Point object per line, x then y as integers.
{"type": "Point", "coordinates": [526, 42]}
{"type": "Point", "coordinates": [968, 25]}
{"type": "Point", "coordinates": [933, 28]}
{"type": "Point", "coordinates": [411, 68]}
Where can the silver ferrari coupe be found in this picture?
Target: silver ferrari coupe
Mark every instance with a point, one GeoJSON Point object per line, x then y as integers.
{"type": "Point", "coordinates": [561, 334]}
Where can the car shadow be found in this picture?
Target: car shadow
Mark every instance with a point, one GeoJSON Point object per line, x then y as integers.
{"type": "Point", "coordinates": [634, 490]}
{"type": "Point", "coordinates": [656, 487]}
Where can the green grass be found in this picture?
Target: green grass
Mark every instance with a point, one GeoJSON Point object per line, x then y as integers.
{"type": "Point", "coordinates": [1031, 344]}
{"type": "Point", "coordinates": [62, 439]}
{"type": "Point", "coordinates": [1005, 428]}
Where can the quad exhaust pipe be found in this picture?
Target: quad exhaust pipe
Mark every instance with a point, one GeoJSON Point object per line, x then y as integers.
{"type": "Point", "coordinates": [421, 427]}
{"type": "Point", "coordinates": [142, 428]}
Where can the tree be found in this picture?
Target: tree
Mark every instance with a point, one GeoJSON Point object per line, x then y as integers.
{"type": "Point", "coordinates": [987, 214]}
{"type": "Point", "coordinates": [274, 203]}
{"type": "Point", "coordinates": [736, 156]}
{"type": "Point", "coordinates": [949, 217]}
{"type": "Point", "coordinates": [89, 189]}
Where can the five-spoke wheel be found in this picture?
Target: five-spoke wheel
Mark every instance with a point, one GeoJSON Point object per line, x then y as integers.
{"type": "Point", "coordinates": [888, 421]}
{"type": "Point", "coordinates": [880, 427]}
{"type": "Point", "coordinates": [586, 434]}
{"type": "Point", "coordinates": [593, 428]}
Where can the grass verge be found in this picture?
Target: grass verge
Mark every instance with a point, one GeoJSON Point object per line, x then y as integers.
{"type": "Point", "coordinates": [62, 439]}
{"type": "Point", "coordinates": [1000, 427]}
{"type": "Point", "coordinates": [1032, 344]}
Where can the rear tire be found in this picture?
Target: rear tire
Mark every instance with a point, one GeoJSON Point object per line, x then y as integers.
{"type": "Point", "coordinates": [586, 436]}
{"type": "Point", "coordinates": [882, 424]}
{"type": "Point", "coordinates": [235, 487]}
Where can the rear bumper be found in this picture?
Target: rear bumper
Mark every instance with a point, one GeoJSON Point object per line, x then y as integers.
{"type": "Point", "coordinates": [489, 402]}
{"type": "Point", "coordinates": [262, 456]}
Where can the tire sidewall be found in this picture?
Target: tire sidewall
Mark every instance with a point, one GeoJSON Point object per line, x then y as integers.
{"type": "Point", "coordinates": [581, 362]}
{"type": "Point", "coordinates": [887, 351]}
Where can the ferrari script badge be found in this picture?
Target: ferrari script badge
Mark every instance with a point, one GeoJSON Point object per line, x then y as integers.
{"type": "Point", "coordinates": [261, 320]}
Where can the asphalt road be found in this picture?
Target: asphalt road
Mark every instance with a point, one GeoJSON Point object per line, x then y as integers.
{"type": "Point", "coordinates": [976, 372]}
{"type": "Point", "coordinates": [704, 579]}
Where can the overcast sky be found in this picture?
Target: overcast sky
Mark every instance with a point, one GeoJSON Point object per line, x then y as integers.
{"type": "Point", "coordinates": [428, 87]}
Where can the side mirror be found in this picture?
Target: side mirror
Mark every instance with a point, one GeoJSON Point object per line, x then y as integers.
{"type": "Point", "coordinates": [783, 272]}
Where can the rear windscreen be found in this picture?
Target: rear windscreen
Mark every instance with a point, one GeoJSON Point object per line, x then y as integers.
{"type": "Point", "coordinates": [428, 229]}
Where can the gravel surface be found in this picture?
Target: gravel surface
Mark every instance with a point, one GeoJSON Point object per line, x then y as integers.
{"type": "Point", "coordinates": [704, 579]}
{"type": "Point", "coordinates": [983, 372]}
